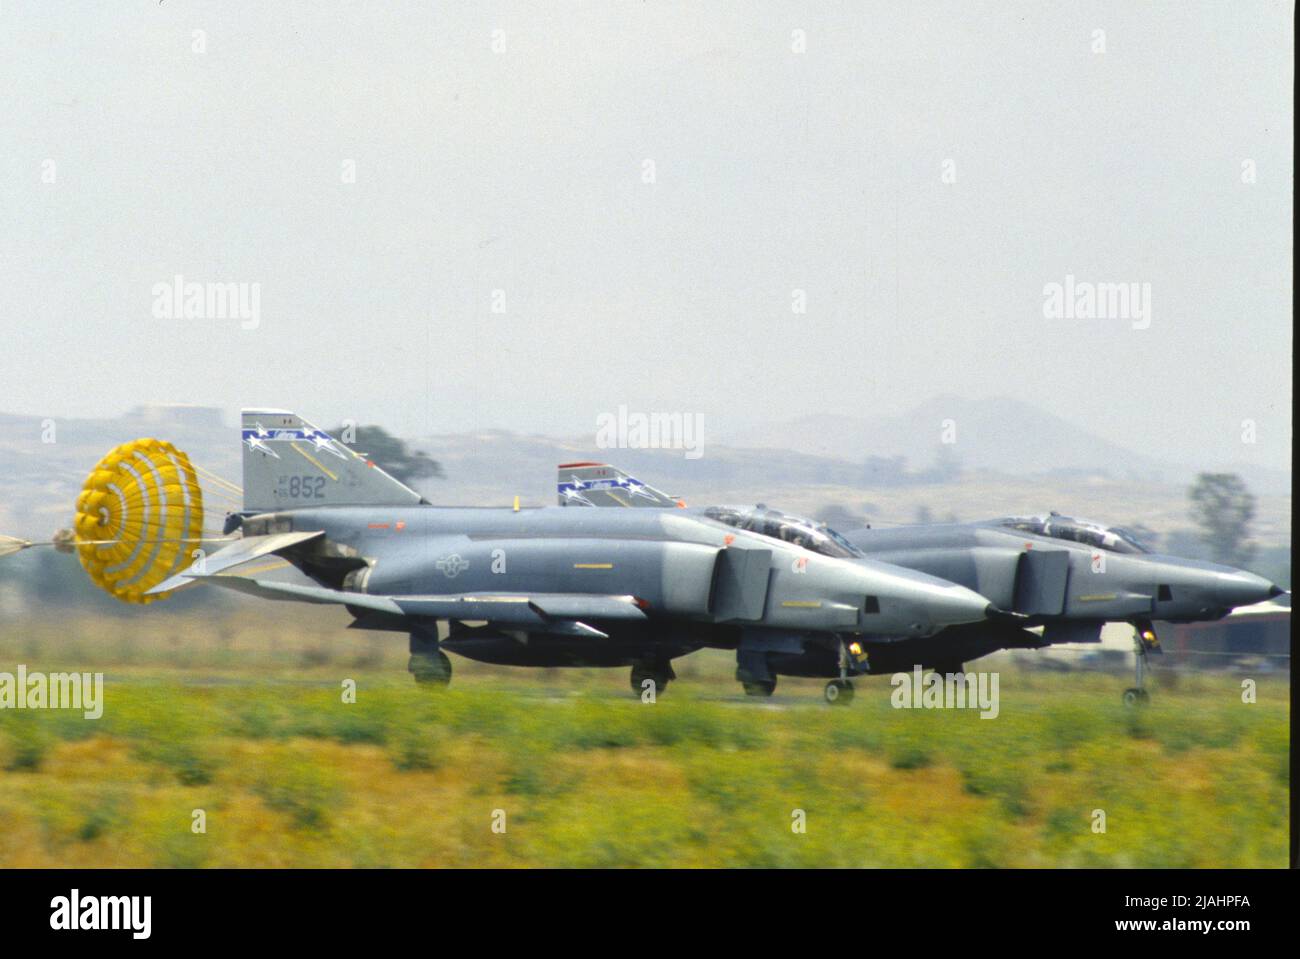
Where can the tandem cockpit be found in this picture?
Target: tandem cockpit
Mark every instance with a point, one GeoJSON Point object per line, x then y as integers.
{"type": "Point", "coordinates": [1115, 539]}
{"type": "Point", "coordinates": [810, 535]}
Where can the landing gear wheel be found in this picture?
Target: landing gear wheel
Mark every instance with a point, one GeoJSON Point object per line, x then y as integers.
{"type": "Point", "coordinates": [839, 692]}
{"type": "Point", "coordinates": [430, 669]}
{"type": "Point", "coordinates": [1136, 697]}
{"type": "Point", "coordinates": [760, 687]}
{"type": "Point", "coordinates": [640, 674]}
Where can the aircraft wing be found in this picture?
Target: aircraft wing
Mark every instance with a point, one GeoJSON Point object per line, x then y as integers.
{"type": "Point", "coordinates": [545, 612]}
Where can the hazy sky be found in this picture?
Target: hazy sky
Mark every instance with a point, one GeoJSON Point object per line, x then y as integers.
{"type": "Point", "coordinates": [522, 169]}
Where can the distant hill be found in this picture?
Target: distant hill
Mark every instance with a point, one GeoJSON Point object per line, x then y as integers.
{"type": "Point", "coordinates": [40, 480]}
{"type": "Point", "coordinates": [854, 466]}
{"type": "Point", "coordinates": [998, 435]}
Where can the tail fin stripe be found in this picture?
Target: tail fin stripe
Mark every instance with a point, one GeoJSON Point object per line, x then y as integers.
{"type": "Point", "coordinates": [315, 462]}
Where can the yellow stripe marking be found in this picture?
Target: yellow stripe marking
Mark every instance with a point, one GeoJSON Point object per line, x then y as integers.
{"type": "Point", "coordinates": [237, 571]}
{"type": "Point", "coordinates": [593, 565]}
{"type": "Point", "coordinates": [803, 603]}
{"type": "Point", "coordinates": [314, 462]}
{"type": "Point", "coordinates": [1099, 597]}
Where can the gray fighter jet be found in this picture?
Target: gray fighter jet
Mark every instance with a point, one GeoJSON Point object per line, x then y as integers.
{"type": "Point", "coordinates": [1071, 576]}
{"type": "Point", "coordinates": [553, 587]}
{"type": "Point", "coordinates": [1066, 575]}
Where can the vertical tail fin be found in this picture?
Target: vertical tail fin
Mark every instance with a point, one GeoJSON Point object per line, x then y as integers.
{"type": "Point", "coordinates": [290, 464]}
{"type": "Point", "coordinates": [599, 484]}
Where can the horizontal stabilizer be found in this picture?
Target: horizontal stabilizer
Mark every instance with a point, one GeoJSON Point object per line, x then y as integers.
{"type": "Point", "coordinates": [237, 553]}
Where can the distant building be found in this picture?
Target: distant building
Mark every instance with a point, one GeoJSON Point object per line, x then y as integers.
{"type": "Point", "coordinates": [1247, 637]}
{"type": "Point", "coordinates": [1255, 637]}
{"type": "Point", "coordinates": [178, 414]}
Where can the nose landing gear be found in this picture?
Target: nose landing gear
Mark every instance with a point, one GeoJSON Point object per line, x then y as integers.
{"type": "Point", "coordinates": [1144, 641]}
{"type": "Point", "coordinates": [1136, 697]}
{"type": "Point", "coordinates": [839, 692]}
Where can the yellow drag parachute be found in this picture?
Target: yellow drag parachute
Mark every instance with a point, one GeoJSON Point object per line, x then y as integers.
{"type": "Point", "coordinates": [139, 516]}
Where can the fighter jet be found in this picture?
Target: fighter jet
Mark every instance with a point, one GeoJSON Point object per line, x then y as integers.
{"type": "Point", "coordinates": [526, 587]}
{"type": "Point", "coordinates": [1066, 575]}
{"type": "Point", "coordinates": [1070, 576]}
{"type": "Point", "coordinates": [760, 660]}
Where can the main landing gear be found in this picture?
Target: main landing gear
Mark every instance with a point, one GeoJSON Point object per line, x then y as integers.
{"type": "Point", "coordinates": [658, 673]}
{"type": "Point", "coordinates": [429, 664]}
{"type": "Point", "coordinates": [753, 674]}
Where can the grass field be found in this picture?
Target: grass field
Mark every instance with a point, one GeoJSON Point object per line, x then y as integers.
{"type": "Point", "coordinates": [246, 722]}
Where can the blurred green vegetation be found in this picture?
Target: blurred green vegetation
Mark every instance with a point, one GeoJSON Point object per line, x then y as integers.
{"type": "Point", "coordinates": [287, 773]}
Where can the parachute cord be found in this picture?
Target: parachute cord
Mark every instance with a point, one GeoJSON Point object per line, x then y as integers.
{"type": "Point", "coordinates": [171, 539]}
{"type": "Point", "coordinates": [140, 497]}
{"type": "Point", "coordinates": [10, 545]}
{"type": "Point", "coordinates": [219, 480]}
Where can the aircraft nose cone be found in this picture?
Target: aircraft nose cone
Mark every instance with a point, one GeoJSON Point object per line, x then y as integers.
{"type": "Point", "coordinates": [956, 605]}
{"type": "Point", "coordinates": [1244, 589]}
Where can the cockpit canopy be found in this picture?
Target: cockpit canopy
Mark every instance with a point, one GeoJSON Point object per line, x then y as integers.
{"type": "Point", "coordinates": [1115, 539]}
{"type": "Point", "coordinates": [817, 537]}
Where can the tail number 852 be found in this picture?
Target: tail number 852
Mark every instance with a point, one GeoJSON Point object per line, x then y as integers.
{"type": "Point", "coordinates": [303, 487]}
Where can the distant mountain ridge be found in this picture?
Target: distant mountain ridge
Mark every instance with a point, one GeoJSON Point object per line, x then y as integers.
{"type": "Point", "coordinates": [996, 435]}
{"type": "Point", "coordinates": [801, 465]}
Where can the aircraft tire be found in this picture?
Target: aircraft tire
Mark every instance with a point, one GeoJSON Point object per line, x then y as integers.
{"type": "Point", "coordinates": [839, 692]}
{"type": "Point", "coordinates": [1136, 697]}
{"type": "Point", "coordinates": [639, 676]}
